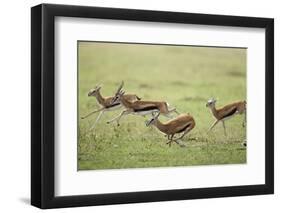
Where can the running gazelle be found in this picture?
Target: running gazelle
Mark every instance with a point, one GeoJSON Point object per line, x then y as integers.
{"type": "Point", "coordinates": [226, 112]}
{"type": "Point", "coordinates": [183, 123]}
{"type": "Point", "coordinates": [107, 103]}
{"type": "Point", "coordinates": [140, 107]}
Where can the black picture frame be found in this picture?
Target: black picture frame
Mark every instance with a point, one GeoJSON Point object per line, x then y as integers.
{"type": "Point", "coordinates": [43, 102]}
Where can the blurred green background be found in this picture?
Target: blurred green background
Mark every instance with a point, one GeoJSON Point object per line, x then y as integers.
{"type": "Point", "coordinates": [184, 76]}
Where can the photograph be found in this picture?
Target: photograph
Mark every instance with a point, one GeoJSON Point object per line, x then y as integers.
{"type": "Point", "coordinates": [160, 105]}
{"type": "Point", "coordinates": [139, 105]}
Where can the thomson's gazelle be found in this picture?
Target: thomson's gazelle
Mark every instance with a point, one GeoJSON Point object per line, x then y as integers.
{"type": "Point", "coordinates": [140, 107]}
{"type": "Point", "coordinates": [106, 103]}
{"type": "Point", "coordinates": [184, 123]}
{"type": "Point", "coordinates": [226, 112]}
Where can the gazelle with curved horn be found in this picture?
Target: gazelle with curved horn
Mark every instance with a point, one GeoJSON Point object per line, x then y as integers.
{"type": "Point", "coordinates": [183, 123]}
{"type": "Point", "coordinates": [106, 103]}
{"type": "Point", "coordinates": [226, 112]}
{"type": "Point", "coordinates": [139, 107]}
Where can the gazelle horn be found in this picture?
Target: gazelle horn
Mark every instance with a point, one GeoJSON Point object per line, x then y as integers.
{"type": "Point", "coordinates": [119, 88]}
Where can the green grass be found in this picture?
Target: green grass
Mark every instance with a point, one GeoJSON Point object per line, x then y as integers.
{"type": "Point", "coordinates": [185, 77]}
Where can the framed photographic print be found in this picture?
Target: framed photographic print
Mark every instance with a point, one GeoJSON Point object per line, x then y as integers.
{"type": "Point", "coordinates": [139, 106]}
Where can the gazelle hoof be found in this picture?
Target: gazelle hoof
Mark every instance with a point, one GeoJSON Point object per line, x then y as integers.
{"type": "Point", "coordinates": [169, 143]}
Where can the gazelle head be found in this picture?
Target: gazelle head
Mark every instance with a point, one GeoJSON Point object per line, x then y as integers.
{"type": "Point", "coordinates": [94, 91]}
{"type": "Point", "coordinates": [211, 102]}
{"type": "Point", "coordinates": [119, 93]}
{"type": "Point", "coordinates": [152, 120]}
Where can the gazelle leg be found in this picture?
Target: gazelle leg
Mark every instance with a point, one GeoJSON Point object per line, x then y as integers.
{"type": "Point", "coordinates": [99, 116]}
{"type": "Point", "coordinates": [170, 137]}
{"type": "Point", "coordinates": [113, 119]}
{"type": "Point", "coordinates": [213, 125]}
{"type": "Point", "coordinates": [245, 119]}
{"type": "Point", "coordinates": [184, 133]}
{"type": "Point", "coordinates": [176, 140]}
{"type": "Point", "coordinates": [179, 142]}
{"type": "Point", "coordinates": [117, 117]}
{"type": "Point", "coordinates": [224, 128]}
{"type": "Point", "coordinates": [86, 116]}
{"type": "Point", "coordinates": [176, 112]}
{"type": "Point", "coordinates": [124, 113]}
{"type": "Point", "coordinates": [170, 140]}
{"type": "Point", "coordinates": [173, 110]}
{"type": "Point", "coordinates": [180, 137]}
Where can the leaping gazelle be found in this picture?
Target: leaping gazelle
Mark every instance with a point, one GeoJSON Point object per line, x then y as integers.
{"type": "Point", "coordinates": [184, 123]}
{"type": "Point", "coordinates": [140, 107]}
{"type": "Point", "coordinates": [106, 103]}
{"type": "Point", "coordinates": [226, 112]}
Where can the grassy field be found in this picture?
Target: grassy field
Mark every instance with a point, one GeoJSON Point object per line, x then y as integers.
{"type": "Point", "coordinates": [185, 77]}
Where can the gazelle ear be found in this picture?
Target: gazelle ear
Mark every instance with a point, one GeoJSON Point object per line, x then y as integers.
{"type": "Point", "coordinates": [97, 87]}
{"type": "Point", "coordinates": [212, 100]}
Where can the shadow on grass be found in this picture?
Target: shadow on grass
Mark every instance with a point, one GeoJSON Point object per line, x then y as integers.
{"type": "Point", "coordinates": [25, 200]}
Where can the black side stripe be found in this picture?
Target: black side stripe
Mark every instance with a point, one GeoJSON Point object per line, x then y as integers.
{"type": "Point", "coordinates": [230, 113]}
{"type": "Point", "coordinates": [148, 108]}
{"type": "Point", "coordinates": [184, 128]}
{"type": "Point", "coordinates": [112, 105]}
